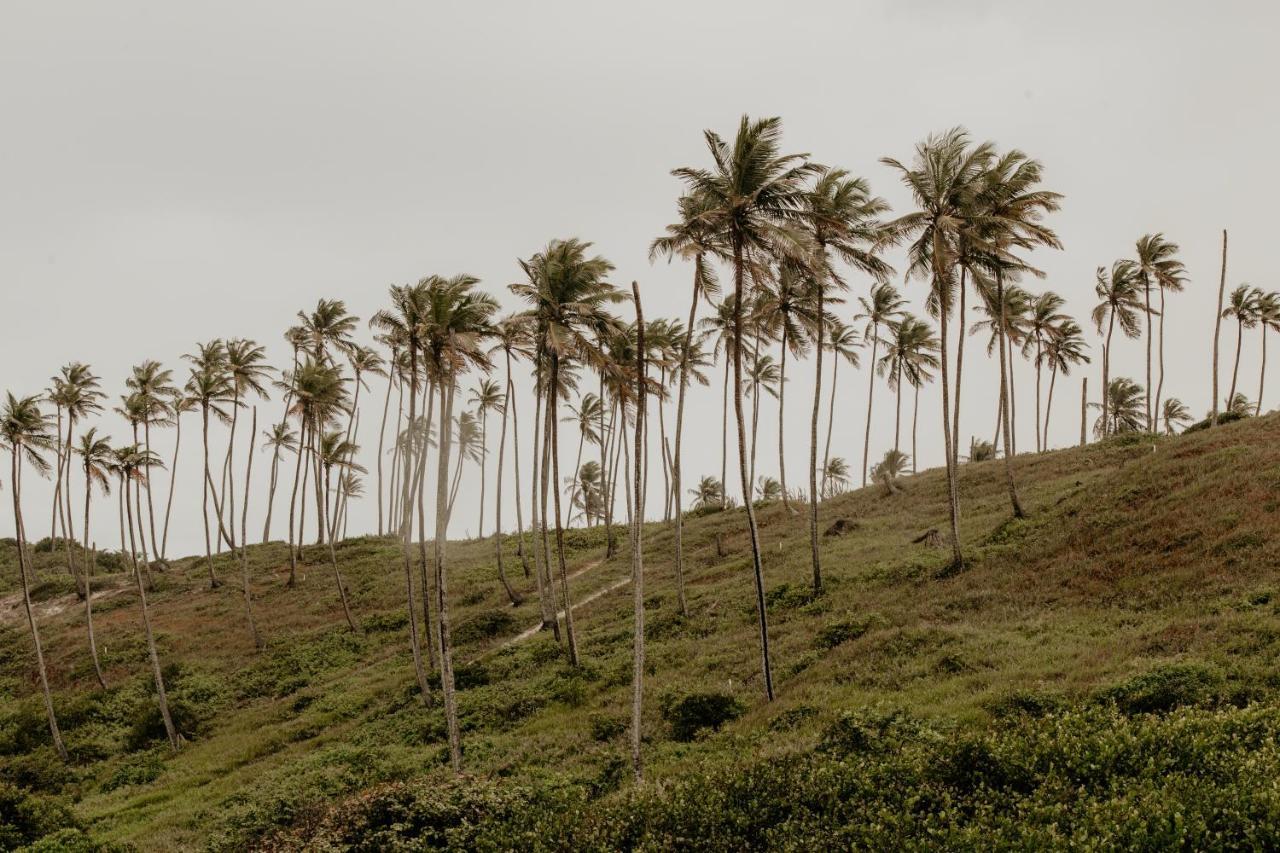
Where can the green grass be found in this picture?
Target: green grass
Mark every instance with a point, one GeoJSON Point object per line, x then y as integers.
{"type": "Point", "coordinates": [1140, 596]}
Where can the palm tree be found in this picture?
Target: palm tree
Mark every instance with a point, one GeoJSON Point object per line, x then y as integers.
{"type": "Point", "coordinates": [467, 437]}
{"type": "Point", "coordinates": [24, 431]}
{"type": "Point", "coordinates": [334, 450]}
{"type": "Point", "coordinates": [763, 375]}
{"type": "Point", "coordinates": [1240, 405]}
{"type": "Point", "coordinates": [457, 321]}
{"type": "Point", "coordinates": [1044, 317]}
{"type": "Point", "coordinates": [96, 460]}
{"type": "Point", "coordinates": [588, 492]}
{"type": "Point", "coordinates": [883, 308]}
{"type": "Point", "coordinates": [586, 415]}
{"type": "Point", "coordinates": [248, 373]}
{"type": "Point", "coordinates": [836, 475]}
{"type": "Point", "coordinates": [1242, 306]}
{"type": "Point", "coordinates": [393, 371]}
{"type": "Point", "coordinates": [153, 385]}
{"type": "Point", "coordinates": [1118, 290]}
{"type": "Point", "coordinates": [707, 494]}
{"type": "Point", "coordinates": [1123, 410]}
{"type": "Point", "coordinates": [364, 362]}
{"type": "Point", "coordinates": [889, 469]}
{"type": "Point", "coordinates": [637, 544]}
{"type": "Point", "coordinates": [279, 439]}
{"type": "Point", "coordinates": [244, 535]}
{"type": "Point", "coordinates": [720, 327]}
{"type": "Point", "coordinates": [943, 180]}
{"type": "Point", "coordinates": [909, 357]}
{"type": "Point", "coordinates": [132, 464]}
{"type": "Point", "coordinates": [980, 450]}
{"type": "Point", "coordinates": [486, 397]}
{"type": "Point", "coordinates": [692, 238]}
{"type": "Point", "coordinates": [1267, 307]}
{"type": "Point", "coordinates": [328, 326]}
{"type": "Point", "coordinates": [210, 387]}
{"type": "Point", "coordinates": [77, 388]}
{"type": "Point", "coordinates": [179, 404]}
{"type": "Point", "coordinates": [511, 335]}
{"type": "Point", "coordinates": [769, 489]}
{"type": "Point", "coordinates": [1157, 265]}
{"type": "Point", "coordinates": [1006, 325]}
{"type": "Point", "coordinates": [567, 292]}
{"type": "Point", "coordinates": [787, 310]}
{"type": "Point", "coordinates": [843, 341]}
{"type": "Point", "coordinates": [1175, 414]}
{"type": "Point", "coordinates": [1063, 347]}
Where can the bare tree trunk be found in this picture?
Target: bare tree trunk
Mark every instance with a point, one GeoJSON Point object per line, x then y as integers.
{"type": "Point", "coordinates": [56, 512]}
{"type": "Point", "coordinates": [151, 510]}
{"type": "Point", "coordinates": [1217, 327]}
{"type": "Point", "coordinates": [244, 537]}
{"type": "Point", "coordinates": [228, 500]}
{"type": "Point", "coordinates": [1006, 394]}
{"type": "Point", "coordinates": [637, 549]}
{"type": "Point", "coordinates": [19, 529]}
{"type": "Point", "coordinates": [871, 390]}
{"type": "Point", "coordinates": [1106, 373]}
{"type": "Point", "coordinates": [445, 442]}
{"type": "Point", "coordinates": [271, 494]}
{"type": "Point", "coordinates": [897, 417]}
{"type": "Point", "coordinates": [1013, 401]}
{"type": "Point", "coordinates": [1039, 426]}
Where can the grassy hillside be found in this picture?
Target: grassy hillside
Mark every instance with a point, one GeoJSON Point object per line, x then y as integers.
{"type": "Point", "coordinates": [1104, 668]}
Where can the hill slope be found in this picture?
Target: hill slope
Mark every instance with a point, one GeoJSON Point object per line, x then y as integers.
{"type": "Point", "coordinates": [912, 707]}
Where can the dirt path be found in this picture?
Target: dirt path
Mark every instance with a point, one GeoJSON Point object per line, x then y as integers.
{"type": "Point", "coordinates": [533, 631]}
{"type": "Point", "coordinates": [13, 613]}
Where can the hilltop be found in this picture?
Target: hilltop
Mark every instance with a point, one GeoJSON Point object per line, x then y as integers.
{"type": "Point", "coordinates": [1107, 663]}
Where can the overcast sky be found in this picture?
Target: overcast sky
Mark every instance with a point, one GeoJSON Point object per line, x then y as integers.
{"type": "Point", "coordinates": [170, 175]}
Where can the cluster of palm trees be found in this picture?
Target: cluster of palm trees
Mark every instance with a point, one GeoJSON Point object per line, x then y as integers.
{"type": "Point", "coordinates": [794, 236]}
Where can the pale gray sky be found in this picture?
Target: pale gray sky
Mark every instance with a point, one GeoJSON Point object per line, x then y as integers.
{"type": "Point", "coordinates": [171, 173]}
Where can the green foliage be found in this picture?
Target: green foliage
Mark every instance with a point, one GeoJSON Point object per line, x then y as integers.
{"type": "Point", "coordinates": [484, 626]}
{"type": "Point", "coordinates": [291, 667]}
{"type": "Point", "coordinates": [690, 714]}
{"type": "Point", "coordinates": [1167, 687]}
{"type": "Point", "coordinates": [194, 701]}
{"type": "Point", "coordinates": [26, 817]}
{"type": "Point", "coordinates": [840, 631]}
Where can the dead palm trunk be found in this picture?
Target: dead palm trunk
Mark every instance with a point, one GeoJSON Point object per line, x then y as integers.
{"type": "Point", "coordinates": [161, 698]}
{"type": "Point", "coordinates": [173, 478]}
{"type": "Point", "coordinates": [1006, 402]}
{"type": "Point", "coordinates": [871, 390]}
{"type": "Point", "coordinates": [637, 547]}
{"type": "Point", "coordinates": [88, 584]}
{"type": "Point", "coordinates": [677, 473]}
{"type": "Point", "coordinates": [244, 538]}
{"type": "Point", "coordinates": [553, 427]}
{"type": "Point", "coordinates": [16, 488]}
{"type": "Point", "coordinates": [813, 441]}
{"type": "Point", "coordinates": [757, 563]}
{"type": "Point", "coordinates": [446, 385]}
{"type": "Point", "coordinates": [1217, 327]}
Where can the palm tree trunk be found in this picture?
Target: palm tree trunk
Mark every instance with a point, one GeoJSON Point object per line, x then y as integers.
{"type": "Point", "coordinates": [1262, 376]}
{"type": "Point", "coordinates": [445, 441]}
{"type": "Point", "coordinates": [1146, 295]}
{"type": "Point", "coordinates": [1006, 395]}
{"type": "Point", "coordinates": [1048, 405]}
{"type": "Point", "coordinates": [577, 467]}
{"type": "Point", "coordinates": [724, 438]}
{"type": "Point", "coordinates": [1155, 409]}
{"type": "Point", "coordinates": [553, 427]}
{"type": "Point", "coordinates": [819, 338]}
{"type": "Point", "coordinates": [173, 478]}
{"type": "Point", "coordinates": [497, 501]}
{"type": "Point", "coordinates": [515, 460]}
{"type": "Point", "coordinates": [382, 436]}
{"type": "Point", "coordinates": [88, 584]}
{"type": "Point", "coordinates": [161, 698]}
{"type": "Point", "coordinates": [419, 488]}
{"type": "Point", "coordinates": [293, 502]}
{"type": "Point", "coordinates": [871, 390]}
{"type": "Point", "coordinates": [1235, 370]}
{"type": "Point", "coordinates": [757, 564]}
{"type": "Point", "coordinates": [831, 419]}
{"type": "Point", "coordinates": [637, 544]}
{"type": "Point", "coordinates": [151, 510]}
{"type": "Point", "coordinates": [782, 408]}
{"type": "Point", "coordinates": [915, 419]}
{"type": "Point", "coordinates": [333, 562]}
{"type": "Point", "coordinates": [55, 511]}
{"type": "Point", "coordinates": [228, 500]}
{"type": "Point", "coordinates": [949, 440]}
{"type": "Point", "coordinates": [1013, 401]}
{"type": "Point", "coordinates": [244, 537]}
{"type": "Point", "coordinates": [208, 545]}
{"type": "Point", "coordinates": [897, 417]}
{"type": "Point", "coordinates": [1106, 370]}
{"type": "Point", "coordinates": [662, 452]}
{"type": "Point", "coordinates": [15, 488]}
{"type": "Point", "coordinates": [271, 493]}
{"type": "Point", "coordinates": [538, 521]}
{"type": "Point", "coordinates": [1039, 427]}
{"type": "Point", "coordinates": [406, 532]}
{"type": "Point", "coordinates": [677, 472]}
{"type": "Point", "coordinates": [955, 415]}
{"type": "Point", "coordinates": [1084, 409]}
{"type": "Point", "coordinates": [484, 460]}
{"type": "Point", "coordinates": [1217, 326]}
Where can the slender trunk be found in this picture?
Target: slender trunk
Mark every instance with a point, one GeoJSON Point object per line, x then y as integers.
{"type": "Point", "coordinates": [831, 418]}
{"type": "Point", "coordinates": [69, 512]}
{"type": "Point", "coordinates": [333, 562]}
{"type": "Point", "coordinates": [515, 463]}
{"type": "Point", "coordinates": [382, 436]}
{"type": "Point", "coordinates": [871, 390]}
{"type": "Point", "coordinates": [1048, 406]}
{"type": "Point", "coordinates": [1262, 376]}
{"type": "Point", "coordinates": [538, 520]}
{"type": "Point", "coordinates": [782, 408]}
{"type": "Point", "coordinates": [445, 442]}
{"type": "Point", "coordinates": [949, 440]}
{"type": "Point", "coordinates": [637, 547]}
{"type": "Point", "coordinates": [406, 499]}
{"type": "Point", "coordinates": [293, 502]}
{"type": "Point", "coordinates": [271, 493]}
{"type": "Point", "coordinates": [244, 537]}
{"type": "Point", "coordinates": [56, 511]}
{"type": "Point", "coordinates": [162, 699]}
{"type": "Point", "coordinates": [757, 564]}
{"type": "Point", "coordinates": [90, 564]}
{"type": "Point", "coordinates": [1084, 409]}
{"type": "Point", "coordinates": [724, 436]}
{"type": "Point", "coordinates": [419, 488]}
{"type": "Point", "coordinates": [1146, 295]}
{"type": "Point", "coordinates": [214, 583]}
{"type": "Point", "coordinates": [1217, 327]}
{"type": "Point", "coordinates": [577, 467]}
{"type": "Point", "coordinates": [1235, 370]}
{"type": "Point", "coordinates": [955, 415]}
{"type": "Point", "coordinates": [484, 460]}
{"type": "Point", "coordinates": [497, 500]}
{"type": "Point", "coordinates": [897, 416]}
{"type": "Point", "coordinates": [677, 472]}
{"type": "Point", "coordinates": [1106, 371]}
{"type": "Point", "coordinates": [173, 478]}
{"type": "Point", "coordinates": [662, 452]}
{"type": "Point", "coordinates": [228, 499]}
{"type": "Point", "coordinates": [1013, 399]}
{"type": "Point", "coordinates": [915, 419]}
{"type": "Point", "coordinates": [15, 488]}
{"type": "Point", "coordinates": [1006, 394]}
{"type": "Point", "coordinates": [1155, 409]}
{"type": "Point", "coordinates": [151, 510]}
{"type": "Point", "coordinates": [553, 423]}
{"type": "Point", "coordinates": [819, 337]}
{"type": "Point", "coordinates": [1039, 426]}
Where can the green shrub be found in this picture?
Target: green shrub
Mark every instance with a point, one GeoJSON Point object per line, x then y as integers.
{"type": "Point", "coordinates": [1165, 688]}
{"type": "Point", "coordinates": [194, 701]}
{"type": "Point", "coordinates": [384, 622]}
{"type": "Point", "coordinates": [693, 712]}
{"type": "Point", "coordinates": [484, 626]}
{"type": "Point", "coordinates": [26, 817]}
{"type": "Point", "coordinates": [841, 631]}
{"type": "Point", "coordinates": [136, 770]}
{"type": "Point", "coordinates": [605, 727]}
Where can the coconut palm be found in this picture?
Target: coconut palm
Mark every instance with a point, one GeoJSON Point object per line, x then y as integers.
{"type": "Point", "coordinates": [1120, 303]}
{"type": "Point", "coordinates": [153, 385]}
{"type": "Point", "coordinates": [586, 415]}
{"type": "Point", "coordinates": [707, 493]}
{"type": "Point", "coordinates": [279, 439]}
{"type": "Point", "coordinates": [567, 293]}
{"type": "Point", "coordinates": [328, 327]}
{"type": "Point", "coordinates": [1267, 307]}
{"type": "Point", "coordinates": [788, 311]}
{"type": "Point", "coordinates": [836, 475]}
{"type": "Point", "coordinates": [1175, 415]}
{"type": "Point", "coordinates": [248, 373]}
{"type": "Point", "coordinates": [768, 489]}
{"type": "Point", "coordinates": [179, 404]}
{"type": "Point", "coordinates": [1044, 317]}
{"type": "Point", "coordinates": [1240, 405]}
{"type": "Point", "coordinates": [882, 307]}
{"type": "Point", "coordinates": [1124, 412]}
{"type": "Point", "coordinates": [887, 471]}
{"type": "Point", "coordinates": [512, 338]}
{"type": "Point", "coordinates": [693, 238]}
{"type": "Point", "coordinates": [334, 450]}
{"type": "Point", "coordinates": [209, 386]}
{"type": "Point", "coordinates": [486, 397]}
{"type": "Point", "coordinates": [843, 341]}
{"type": "Point", "coordinates": [297, 338]}
{"type": "Point", "coordinates": [1242, 306]}
{"type": "Point", "coordinates": [980, 450]}
{"type": "Point", "coordinates": [25, 433]}
{"type": "Point", "coordinates": [944, 180]}
{"type": "Point", "coordinates": [909, 357]}
{"type": "Point", "coordinates": [1063, 348]}
{"type": "Point", "coordinates": [75, 392]}
{"type": "Point", "coordinates": [96, 461]}
{"type": "Point", "coordinates": [1158, 266]}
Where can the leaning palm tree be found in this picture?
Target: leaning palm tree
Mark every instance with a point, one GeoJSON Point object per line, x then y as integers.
{"type": "Point", "coordinates": [693, 238]}
{"type": "Point", "coordinates": [1240, 406]}
{"type": "Point", "coordinates": [1158, 266]}
{"type": "Point", "coordinates": [567, 292]}
{"type": "Point", "coordinates": [78, 397]}
{"type": "Point", "coordinates": [1063, 348]}
{"type": "Point", "coordinates": [96, 460]}
{"type": "Point", "coordinates": [1044, 317]}
{"type": "Point", "coordinates": [768, 489]}
{"type": "Point", "coordinates": [944, 180]}
{"type": "Point", "coordinates": [1242, 306]}
{"type": "Point", "coordinates": [328, 327]}
{"type": "Point", "coordinates": [882, 307]}
{"type": "Point", "coordinates": [836, 475]}
{"type": "Point", "coordinates": [1175, 414]}
{"type": "Point", "coordinates": [132, 464]}
{"type": "Point", "coordinates": [707, 493]}
{"type": "Point", "coordinates": [25, 433]}
{"type": "Point", "coordinates": [843, 341]}
{"type": "Point", "coordinates": [486, 397]}
{"type": "Point", "coordinates": [887, 471]}
{"type": "Point", "coordinates": [210, 387]}
{"type": "Point", "coordinates": [1267, 307]}
{"type": "Point", "coordinates": [1120, 303]}
{"type": "Point", "coordinates": [1123, 408]}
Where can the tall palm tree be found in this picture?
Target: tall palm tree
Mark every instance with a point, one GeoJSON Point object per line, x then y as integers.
{"type": "Point", "coordinates": [209, 386]}
{"type": "Point", "coordinates": [1268, 310]}
{"type": "Point", "coordinates": [788, 309]}
{"type": "Point", "coordinates": [693, 238]}
{"type": "Point", "coordinates": [1159, 266]}
{"type": "Point", "coordinates": [1120, 303]}
{"type": "Point", "coordinates": [587, 416]}
{"type": "Point", "coordinates": [96, 460]}
{"type": "Point", "coordinates": [153, 385]}
{"type": "Point", "coordinates": [511, 334]}
{"type": "Point", "coordinates": [248, 374]}
{"type": "Point", "coordinates": [25, 433]}
{"type": "Point", "coordinates": [1043, 319]}
{"type": "Point", "coordinates": [843, 341]}
{"type": "Point", "coordinates": [1175, 414]}
{"type": "Point", "coordinates": [943, 179]}
{"type": "Point", "coordinates": [567, 293]}
{"type": "Point", "coordinates": [132, 465]}
{"type": "Point", "coordinates": [486, 397]}
{"type": "Point", "coordinates": [1006, 325]}
{"type": "Point", "coordinates": [76, 389]}
{"type": "Point", "coordinates": [458, 320]}
{"type": "Point", "coordinates": [756, 203]}
{"type": "Point", "coordinates": [882, 307]}
{"type": "Point", "coordinates": [279, 439]}
{"type": "Point", "coordinates": [1242, 306]}
{"type": "Point", "coordinates": [179, 404]}
{"type": "Point", "coordinates": [909, 357]}
{"type": "Point", "coordinates": [328, 327]}
{"type": "Point", "coordinates": [1063, 348]}
{"type": "Point", "coordinates": [1123, 408]}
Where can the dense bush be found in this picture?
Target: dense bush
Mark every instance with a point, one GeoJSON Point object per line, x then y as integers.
{"type": "Point", "coordinates": [26, 817]}
{"type": "Point", "coordinates": [691, 713]}
{"type": "Point", "coordinates": [484, 626]}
